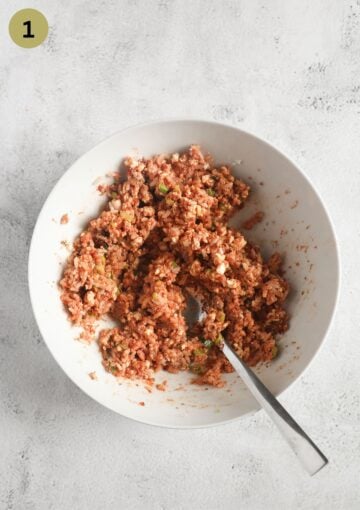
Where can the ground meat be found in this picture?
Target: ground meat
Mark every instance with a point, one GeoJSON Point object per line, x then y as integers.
{"type": "Point", "coordinates": [162, 238]}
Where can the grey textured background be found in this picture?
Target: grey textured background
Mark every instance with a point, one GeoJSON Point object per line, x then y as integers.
{"type": "Point", "coordinates": [286, 70]}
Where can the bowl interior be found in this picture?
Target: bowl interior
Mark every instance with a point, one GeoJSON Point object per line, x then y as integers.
{"type": "Point", "coordinates": [295, 224]}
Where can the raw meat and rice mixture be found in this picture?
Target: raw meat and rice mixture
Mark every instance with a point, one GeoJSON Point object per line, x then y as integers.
{"type": "Point", "coordinates": [162, 237]}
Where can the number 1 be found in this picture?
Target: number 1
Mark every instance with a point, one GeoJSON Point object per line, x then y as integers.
{"type": "Point", "coordinates": [28, 34]}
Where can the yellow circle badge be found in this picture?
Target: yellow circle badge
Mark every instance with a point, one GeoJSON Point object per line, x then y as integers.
{"type": "Point", "coordinates": [28, 28]}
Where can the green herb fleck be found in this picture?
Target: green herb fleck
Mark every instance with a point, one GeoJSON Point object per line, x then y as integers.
{"type": "Point", "coordinates": [163, 189]}
{"type": "Point", "coordinates": [210, 192]}
{"type": "Point", "coordinates": [221, 317]}
{"type": "Point", "coordinates": [225, 207]}
{"type": "Point", "coordinates": [196, 368]}
{"type": "Point", "coordinates": [208, 344]}
{"type": "Point", "coordinates": [274, 352]}
{"type": "Point", "coordinates": [219, 339]}
{"type": "Point", "coordinates": [199, 352]}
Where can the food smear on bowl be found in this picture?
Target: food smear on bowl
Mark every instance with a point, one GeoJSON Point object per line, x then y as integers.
{"type": "Point", "coordinates": [253, 220]}
{"type": "Point", "coordinates": [163, 237]}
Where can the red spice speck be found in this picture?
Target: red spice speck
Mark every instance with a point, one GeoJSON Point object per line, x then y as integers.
{"type": "Point", "coordinates": [64, 219]}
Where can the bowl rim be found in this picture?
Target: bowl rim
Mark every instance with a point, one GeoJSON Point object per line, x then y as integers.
{"type": "Point", "coordinates": [176, 120]}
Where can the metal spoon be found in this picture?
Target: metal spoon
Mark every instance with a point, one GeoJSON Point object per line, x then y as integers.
{"type": "Point", "coordinates": [306, 450]}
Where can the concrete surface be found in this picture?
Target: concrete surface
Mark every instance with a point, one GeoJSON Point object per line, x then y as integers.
{"type": "Point", "coordinates": [288, 71]}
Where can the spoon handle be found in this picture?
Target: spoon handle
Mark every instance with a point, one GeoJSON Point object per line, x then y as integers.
{"type": "Point", "coordinates": [307, 451]}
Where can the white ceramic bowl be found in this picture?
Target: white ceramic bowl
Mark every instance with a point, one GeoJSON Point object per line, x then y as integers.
{"type": "Point", "coordinates": [296, 224]}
